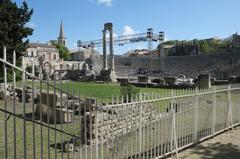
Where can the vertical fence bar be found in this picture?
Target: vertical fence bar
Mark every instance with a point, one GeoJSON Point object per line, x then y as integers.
{"type": "Point", "coordinates": [61, 115]}
{"type": "Point", "coordinates": [55, 118]}
{"type": "Point", "coordinates": [102, 130]}
{"type": "Point", "coordinates": [196, 117]}
{"type": "Point", "coordinates": [85, 129]}
{"type": "Point", "coordinates": [41, 128]}
{"type": "Point", "coordinates": [73, 122]}
{"type": "Point", "coordinates": [14, 106]}
{"type": "Point", "coordinates": [112, 120]}
{"type": "Point", "coordinates": [132, 129]}
{"type": "Point", "coordinates": [145, 131]}
{"type": "Point", "coordinates": [65, 119]}
{"type": "Point", "coordinates": [117, 138]}
{"type": "Point", "coordinates": [91, 133]}
{"type": "Point", "coordinates": [140, 125]}
{"type": "Point", "coordinates": [33, 113]}
{"type": "Point", "coordinates": [24, 108]}
{"type": "Point", "coordinates": [173, 141]}
{"type": "Point", "coordinates": [80, 125]}
{"type": "Point", "coordinates": [214, 112]}
{"type": "Point", "coordinates": [5, 103]}
{"type": "Point", "coordinates": [137, 99]}
{"type": "Point", "coordinates": [48, 120]}
{"type": "Point", "coordinates": [96, 131]}
{"type": "Point", "coordinates": [122, 123]}
{"type": "Point", "coordinates": [229, 119]}
{"type": "Point", "coordinates": [108, 117]}
{"type": "Point", "coordinates": [151, 130]}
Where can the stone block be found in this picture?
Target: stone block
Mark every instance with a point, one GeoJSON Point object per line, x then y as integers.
{"type": "Point", "coordinates": [143, 79]}
{"type": "Point", "coordinates": [204, 81]}
{"type": "Point", "coordinates": [61, 115]}
{"type": "Point", "coordinates": [51, 97]}
{"type": "Point", "coordinates": [170, 80]}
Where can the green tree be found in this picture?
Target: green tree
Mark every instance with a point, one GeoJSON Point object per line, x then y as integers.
{"type": "Point", "coordinates": [63, 50]}
{"type": "Point", "coordinates": [13, 29]}
{"type": "Point", "coordinates": [204, 47]}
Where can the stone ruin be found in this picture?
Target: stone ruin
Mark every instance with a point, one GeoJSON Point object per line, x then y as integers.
{"type": "Point", "coordinates": [204, 81]}
{"type": "Point", "coordinates": [64, 109]}
{"type": "Point", "coordinates": [108, 73]}
{"type": "Point", "coordinates": [18, 93]}
{"type": "Point", "coordinates": [113, 122]}
{"type": "Point", "coordinates": [48, 106]}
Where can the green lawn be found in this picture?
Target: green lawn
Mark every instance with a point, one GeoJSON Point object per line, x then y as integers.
{"type": "Point", "coordinates": [104, 90]}
{"type": "Point", "coordinates": [91, 89]}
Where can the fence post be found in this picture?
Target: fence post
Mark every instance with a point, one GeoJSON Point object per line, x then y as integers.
{"type": "Point", "coordinates": [24, 107]}
{"type": "Point", "coordinates": [14, 106]}
{"type": "Point", "coordinates": [5, 103]}
{"type": "Point", "coordinates": [33, 68]}
{"type": "Point", "coordinates": [140, 124]}
{"type": "Point", "coordinates": [214, 112]}
{"type": "Point", "coordinates": [229, 116]}
{"type": "Point", "coordinates": [96, 130]}
{"type": "Point", "coordinates": [196, 116]}
{"type": "Point", "coordinates": [173, 129]}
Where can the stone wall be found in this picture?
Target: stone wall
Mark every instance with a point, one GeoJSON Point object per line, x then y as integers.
{"type": "Point", "coordinates": [114, 122]}
{"type": "Point", "coordinates": [219, 65]}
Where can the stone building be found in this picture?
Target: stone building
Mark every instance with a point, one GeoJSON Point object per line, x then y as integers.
{"type": "Point", "coordinates": [35, 50]}
{"type": "Point", "coordinates": [81, 54]}
{"type": "Point", "coordinates": [186, 49]}
{"type": "Point", "coordinates": [236, 40]}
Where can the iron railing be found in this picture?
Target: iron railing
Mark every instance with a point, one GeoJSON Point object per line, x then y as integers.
{"type": "Point", "coordinates": [45, 119]}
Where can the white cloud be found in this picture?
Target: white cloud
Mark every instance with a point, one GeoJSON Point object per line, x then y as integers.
{"type": "Point", "coordinates": [128, 30]}
{"type": "Point", "coordinates": [108, 35]}
{"type": "Point", "coordinates": [31, 25]}
{"type": "Point", "coordinates": [105, 2]}
{"type": "Point", "coordinates": [166, 38]}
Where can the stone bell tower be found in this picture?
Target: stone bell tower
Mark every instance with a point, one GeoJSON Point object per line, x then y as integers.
{"type": "Point", "coordinates": [61, 38]}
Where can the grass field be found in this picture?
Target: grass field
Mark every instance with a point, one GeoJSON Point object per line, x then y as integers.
{"type": "Point", "coordinates": [101, 91]}
{"type": "Point", "coordinates": [90, 89]}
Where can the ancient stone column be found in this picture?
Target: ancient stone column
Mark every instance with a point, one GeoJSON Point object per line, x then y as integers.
{"type": "Point", "coordinates": [104, 50]}
{"type": "Point", "coordinates": [111, 49]}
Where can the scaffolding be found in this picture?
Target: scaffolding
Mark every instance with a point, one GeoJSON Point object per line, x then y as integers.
{"type": "Point", "coordinates": [148, 37]}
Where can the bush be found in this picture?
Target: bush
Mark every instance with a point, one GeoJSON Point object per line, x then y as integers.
{"type": "Point", "coordinates": [129, 92]}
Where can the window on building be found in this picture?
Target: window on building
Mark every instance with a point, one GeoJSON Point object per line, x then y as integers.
{"type": "Point", "coordinates": [49, 56]}
{"type": "Point", "coordinates": [54, 57]}
{"type": "Point", "coordinates": [32, 53]}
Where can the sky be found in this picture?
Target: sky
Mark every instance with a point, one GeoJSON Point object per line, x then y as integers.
{"type": "Point", "coordinates": [179, 19]}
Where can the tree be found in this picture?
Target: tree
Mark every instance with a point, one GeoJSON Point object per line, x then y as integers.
{"type": "Point", "coordinates": [204, 47]}
{"type": "Point", "coordinates": [13, 29]}
{"type": "Point", "coordinates": [63, 50]}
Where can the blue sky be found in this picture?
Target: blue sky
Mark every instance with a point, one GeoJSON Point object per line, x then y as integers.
{"type": "Point", "coordinates": [179, 19]}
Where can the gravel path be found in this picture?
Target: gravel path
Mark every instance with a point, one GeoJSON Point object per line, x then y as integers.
{"type": "Point", "coordinates": [224, 146]}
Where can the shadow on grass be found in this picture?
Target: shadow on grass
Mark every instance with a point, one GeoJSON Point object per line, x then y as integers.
{"type": "Point", "coordinates": [218, 151]}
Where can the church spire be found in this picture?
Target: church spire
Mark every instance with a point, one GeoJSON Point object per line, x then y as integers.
{"type": "Point", "coordinates": [61, 34]}
{"type": "Point", "coordinates": [61, 38]}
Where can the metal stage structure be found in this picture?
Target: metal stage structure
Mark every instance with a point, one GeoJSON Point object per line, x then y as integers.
{"type": "Point", "coordinates": [148, 37]}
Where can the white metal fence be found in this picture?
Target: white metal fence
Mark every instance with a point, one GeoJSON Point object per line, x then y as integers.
{"type": "Point", "coordinates": [43, 119]}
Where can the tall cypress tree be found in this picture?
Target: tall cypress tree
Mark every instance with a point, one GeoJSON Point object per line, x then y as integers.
{"type": "Point", "coordinates": [13, 28]}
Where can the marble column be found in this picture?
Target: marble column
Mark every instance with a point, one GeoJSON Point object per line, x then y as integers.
{"type": "Point", "coordinates": [104, 51]}
{"type": "Point", "coordinates": [111, 49]}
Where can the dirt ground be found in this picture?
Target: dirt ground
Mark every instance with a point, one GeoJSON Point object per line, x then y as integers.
{"type": "Point", "coordinates": [223, 146]}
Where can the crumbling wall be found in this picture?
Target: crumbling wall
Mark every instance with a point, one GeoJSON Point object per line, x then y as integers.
{"type": "Point", "coordinates": [218, 65]}
{"type": "Point", "coordinates": [109, 123]}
